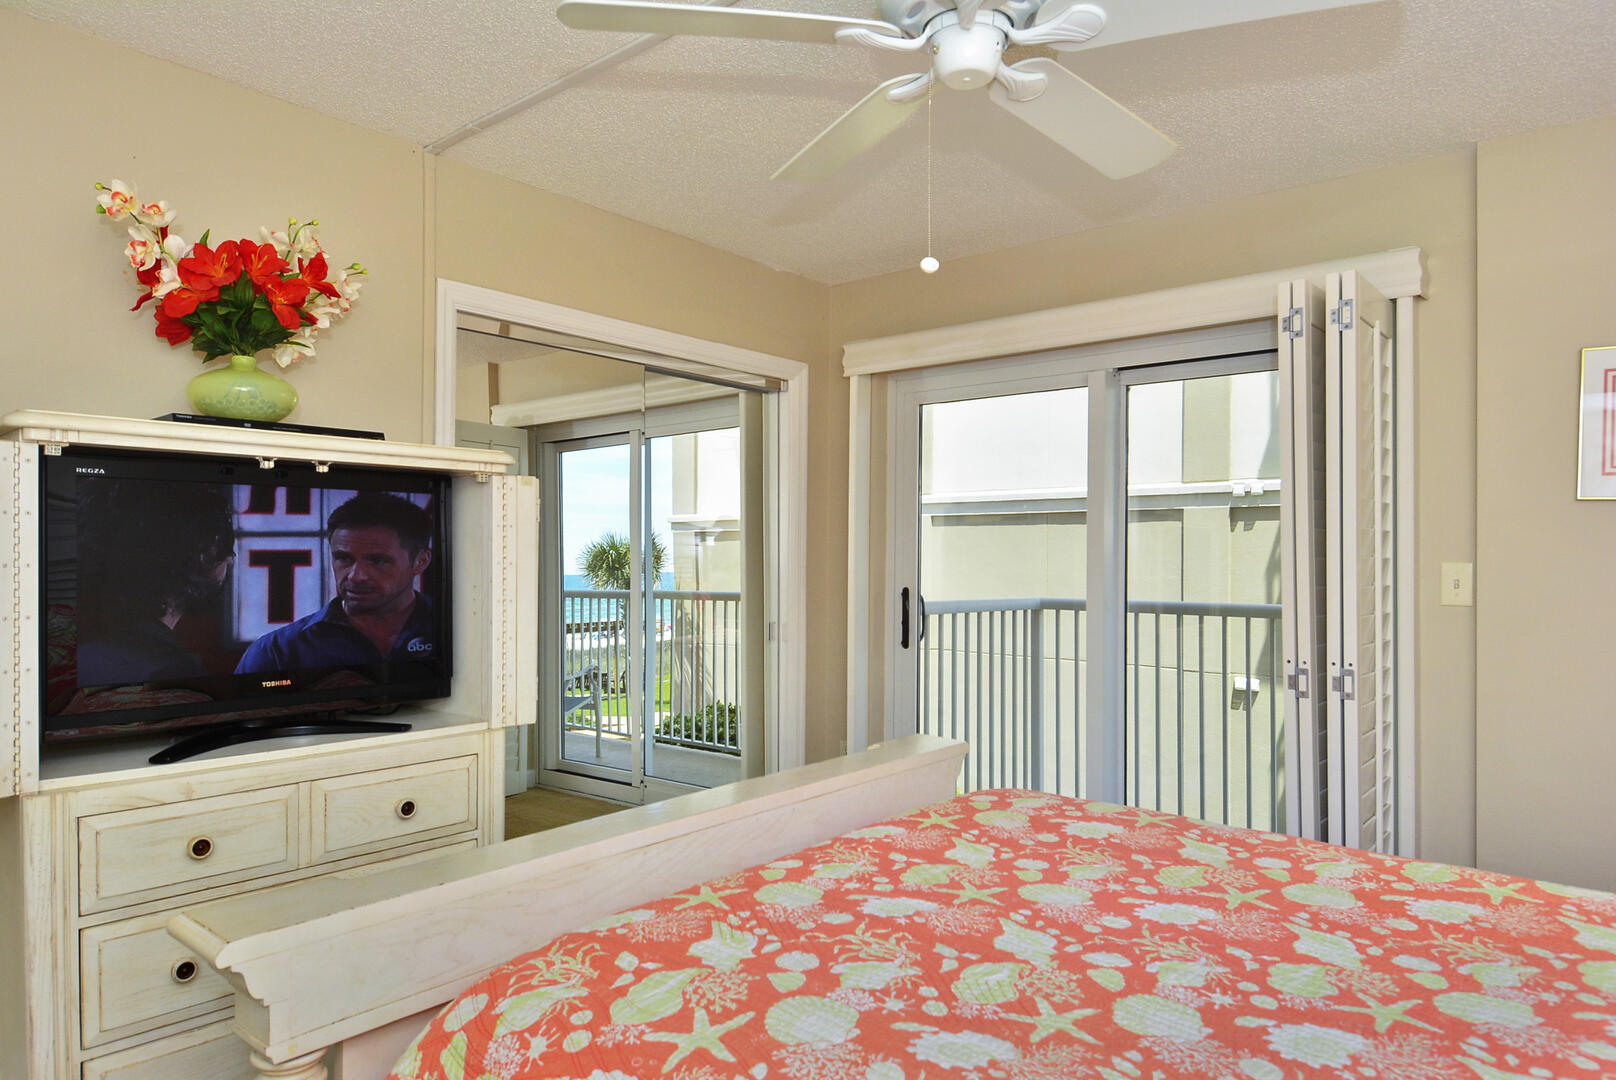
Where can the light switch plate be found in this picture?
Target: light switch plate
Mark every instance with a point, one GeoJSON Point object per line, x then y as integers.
{"type": "Point", "coordinates": [1458, 584]}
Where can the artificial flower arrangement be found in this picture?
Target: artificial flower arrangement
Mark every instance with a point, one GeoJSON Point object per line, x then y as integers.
{"type": "Point", "coordinates": [236, 299]}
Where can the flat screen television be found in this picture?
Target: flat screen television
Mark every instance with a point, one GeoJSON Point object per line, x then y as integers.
{"type": "Point", "coordinates": [205, 593]}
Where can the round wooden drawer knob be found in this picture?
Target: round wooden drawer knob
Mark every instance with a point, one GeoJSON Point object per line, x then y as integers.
{"type": "Point", "coordinates": [183, 971]}
{"type": "Point", "coordinates": [406, 808]}
{"type": "Point", "coordinates": [200, 848]}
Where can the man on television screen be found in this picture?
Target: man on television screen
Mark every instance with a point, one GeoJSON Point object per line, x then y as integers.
{"type": "Point", "coordinates": [378, 544]}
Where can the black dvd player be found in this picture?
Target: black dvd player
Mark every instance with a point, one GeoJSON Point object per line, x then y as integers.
{"type": "Point", "coordinates": [265, 425]}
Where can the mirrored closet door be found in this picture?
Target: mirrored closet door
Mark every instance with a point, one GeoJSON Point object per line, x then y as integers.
{"type": "Point", "coordinates": [657, 556]}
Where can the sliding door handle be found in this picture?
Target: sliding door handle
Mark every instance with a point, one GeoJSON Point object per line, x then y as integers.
{"type": "Point", "coordinates": [903, 618]}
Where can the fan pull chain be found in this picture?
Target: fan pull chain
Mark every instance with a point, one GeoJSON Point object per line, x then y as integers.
{"type": "Point", "coordinates": [929, 264]}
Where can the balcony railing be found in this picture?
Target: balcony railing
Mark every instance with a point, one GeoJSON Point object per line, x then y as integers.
{"type": "Point", "coordinates": [1203, 726]}
{"type": "Point", "coordinates": [695, 664]}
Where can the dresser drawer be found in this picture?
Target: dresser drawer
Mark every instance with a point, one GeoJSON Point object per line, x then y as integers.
{"type": "Point", "coordinates": [208, 1053]}
{"type": "Point", "coordinates": [135, 855]}
{"type": "Point", "coordinates": [350, 815]}
{"type": "Point", "coordinates": [134, 977]}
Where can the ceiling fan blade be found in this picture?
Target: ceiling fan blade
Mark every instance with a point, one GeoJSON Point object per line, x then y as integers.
{"type": "Point", "coordinates": [645, 17]}
{"type": "Point", "coordinates": [1130, 22]}
{"type": "Point", "coordinates": [1086, 122]}
{"type": "Point", "coordinates": [858, 129]}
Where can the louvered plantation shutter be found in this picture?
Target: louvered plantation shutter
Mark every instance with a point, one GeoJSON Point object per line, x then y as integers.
{"type": "Point", "coordinates": [1359, 484]}
{"type": "Point", "coordinates": [1302, 552]}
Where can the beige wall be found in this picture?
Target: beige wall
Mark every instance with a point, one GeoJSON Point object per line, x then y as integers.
{"type": "Point", "coordinates": [471, 392]}
{"type": "Point", "coordinates": [80, 110]}
{"type": "Point", "coordinates": [508, 236]}
{"type": "Point", "coordinates": [1546, 725]}
{"type": "Point", "coordinates": [1429, 203]}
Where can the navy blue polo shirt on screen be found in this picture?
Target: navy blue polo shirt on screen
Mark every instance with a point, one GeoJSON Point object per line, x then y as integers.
{"type": "Point", "coordinates": [327, 639]}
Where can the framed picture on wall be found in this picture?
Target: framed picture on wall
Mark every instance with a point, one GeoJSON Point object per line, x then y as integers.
{"type": "Point", "coordinates": [1596, 442]}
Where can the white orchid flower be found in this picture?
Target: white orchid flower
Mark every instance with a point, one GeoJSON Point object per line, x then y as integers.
{"type": "Point", "coordinates": [155, 215]}
{"type": "Point", "coordinates": [116, 198]}
{"type": "Point", "coordinates": [275, 238]}
{"type": "Point", "coordinates": [295, 348]}
{"type": "Point", "coordinates": [168, 279]}
{"type": "Point", "coordinates": [175, 248]}
{"type": "Point", "coordinates": [323, 309]}
{"type": "Point", "coordinates": [348, 285]}
{"type": "Point", "coordinates": [304, 244]}
{"type": "Point", "coordinates": [143, 248]}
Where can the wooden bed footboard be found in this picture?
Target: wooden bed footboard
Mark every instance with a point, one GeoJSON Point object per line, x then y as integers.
{"type": "Point", "coordinates": [352, 964]}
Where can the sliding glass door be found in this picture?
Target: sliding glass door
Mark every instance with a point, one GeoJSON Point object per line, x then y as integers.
{"type": "Point", "coordinates": [998, 621]}
{"type": "Point", "coordinates": [597, 696]}
{"type": "Point", "coordinates": [653, 653]}
{"type": "Point", "coordinates": [1204, 719]}
{"type": "Point", "coordinates": [1085, 550]}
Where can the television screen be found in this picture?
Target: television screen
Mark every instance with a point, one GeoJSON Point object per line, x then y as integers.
{"type": "Point", "coordinates": [182, 590]}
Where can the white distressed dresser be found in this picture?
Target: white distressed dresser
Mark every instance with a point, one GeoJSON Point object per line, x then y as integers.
{"type": "Point", "coordinates": [98, 849]}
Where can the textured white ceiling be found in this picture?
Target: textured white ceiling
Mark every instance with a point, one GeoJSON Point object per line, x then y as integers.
{"type": "Point", "coordinates": [685, 136]}
{"type": "Point", "coordinates": [475, 350]}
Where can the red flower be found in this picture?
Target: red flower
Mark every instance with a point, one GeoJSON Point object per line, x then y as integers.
{"type": "Point", "coordinates": [202, 272]}
{"type": "Point", "coordinates": [261, 263]}
{"type": "Point", "coordinates": [285, 295]}
{"type": "Point", "coordinates": [313, 271]}
{"type": "Point", "coordinates": [147, 277]}
{"type": "Point", "coordinates": [182, 301]}
{"type": "Point", "coordinates": [206, 270]}
{"type": "Point", "coordinates": [172, 329]}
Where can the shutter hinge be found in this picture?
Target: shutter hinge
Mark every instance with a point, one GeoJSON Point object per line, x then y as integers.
{"type": "Point", "coordinates": [1345, 684]}
{"type": "Point", "coordinates": [1341, 315]}
{"type": "Point", "coordinates": [1291, 324]}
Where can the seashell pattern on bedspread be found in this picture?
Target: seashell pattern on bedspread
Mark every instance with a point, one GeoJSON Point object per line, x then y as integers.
{"type": "Point", "coordinates": [1012, 935]}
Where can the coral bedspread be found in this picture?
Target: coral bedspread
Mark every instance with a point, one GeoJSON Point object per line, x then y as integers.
{"type": "Point", "coordinates": [1014, 935]}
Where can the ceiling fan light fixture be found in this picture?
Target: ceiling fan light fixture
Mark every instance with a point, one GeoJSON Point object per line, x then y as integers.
{"type": "Point", "coordinates": [965, 57]}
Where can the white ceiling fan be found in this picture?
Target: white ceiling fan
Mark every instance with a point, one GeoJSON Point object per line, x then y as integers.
{"type": "Point", "coordinates": [966, 41]}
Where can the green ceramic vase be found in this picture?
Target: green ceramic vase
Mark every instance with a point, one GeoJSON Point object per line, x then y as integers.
{"type": "Point", "coordinates": [241, 392]}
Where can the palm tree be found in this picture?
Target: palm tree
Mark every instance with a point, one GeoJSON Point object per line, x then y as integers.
{"type": "Point", "coordinates": [604, 561]}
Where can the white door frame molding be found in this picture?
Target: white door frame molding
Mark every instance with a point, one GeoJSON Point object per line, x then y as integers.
{"type": "Point", "coordinates": [788, 746]}
{"type": "Point", "coordinates": [1399, 274]}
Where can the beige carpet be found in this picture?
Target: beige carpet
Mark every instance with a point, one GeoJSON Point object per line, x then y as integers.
{"type": "Point", "coordinates": [539, 809]}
